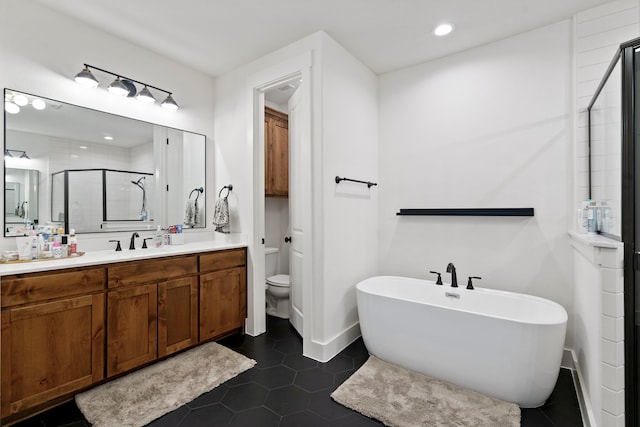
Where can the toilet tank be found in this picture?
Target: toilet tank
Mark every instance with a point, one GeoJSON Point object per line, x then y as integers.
{"type": "Point", "coordinates": [271, 262]}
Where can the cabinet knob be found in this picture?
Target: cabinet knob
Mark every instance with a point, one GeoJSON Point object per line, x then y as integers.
{"type": "Point", "coordinates": [287, 239]}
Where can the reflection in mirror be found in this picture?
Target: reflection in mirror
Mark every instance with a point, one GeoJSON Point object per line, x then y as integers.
{"type": "Point", "coordinates": [101, 172]}
{"type": "Point", "coordinates": [20, 199]}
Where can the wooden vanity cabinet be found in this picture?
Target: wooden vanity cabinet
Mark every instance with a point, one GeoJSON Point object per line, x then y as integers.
{"type": "Point", "coordinates": [276, 153]}
{"type": "Point", "coordinates": [223, 293]}
{"type": "Point", "coordinates": [52, 340]}
{"type": "Point", "coordinates": [151, 310]}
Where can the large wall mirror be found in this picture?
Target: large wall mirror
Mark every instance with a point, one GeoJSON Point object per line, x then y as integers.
{"type": "Point", "coordinates": [93, 172]}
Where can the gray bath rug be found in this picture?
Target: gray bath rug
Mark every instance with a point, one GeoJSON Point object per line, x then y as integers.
{"type": "Point", "coordinates": [402, 398]}
{"type": "Point", "coordinates": [142, 396]}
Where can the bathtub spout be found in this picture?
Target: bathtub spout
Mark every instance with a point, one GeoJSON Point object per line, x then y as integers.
{"type": "Point", "coordinates": [454, 279]}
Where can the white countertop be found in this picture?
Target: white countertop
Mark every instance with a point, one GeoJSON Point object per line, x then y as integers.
{"type": "Point", "coordinates": [107, 257]}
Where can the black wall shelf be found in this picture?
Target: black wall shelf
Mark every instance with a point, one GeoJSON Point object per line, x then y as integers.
{"type": "Point", "coordinates": [468, 212]}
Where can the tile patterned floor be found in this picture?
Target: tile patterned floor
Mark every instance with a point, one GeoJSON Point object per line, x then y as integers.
{"type": "Point", "coordinates": [288, 389]}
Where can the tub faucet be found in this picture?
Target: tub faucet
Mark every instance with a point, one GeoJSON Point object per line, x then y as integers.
{"type": "Point", "coordinates": [454, 279]}
{"type": "Point", "coordinates": [132, 244]}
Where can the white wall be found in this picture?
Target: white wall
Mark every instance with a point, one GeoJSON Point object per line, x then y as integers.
{"type": "Point", "coordinates": [489, 127]}
{"type": "Point", "coordinates": [350, 216]}
{"type": "Point", "coordinates": [45, 62]}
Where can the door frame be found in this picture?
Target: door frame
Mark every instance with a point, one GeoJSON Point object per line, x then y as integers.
{"type": "Point", "coordinates": [630, 210]}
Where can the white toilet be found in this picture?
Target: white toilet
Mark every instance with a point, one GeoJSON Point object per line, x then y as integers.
{"type": "Point", "coordinates": [277, 286]}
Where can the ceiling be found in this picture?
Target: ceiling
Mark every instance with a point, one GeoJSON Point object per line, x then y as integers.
{"type": "Point", "coordinates": [216, 36]}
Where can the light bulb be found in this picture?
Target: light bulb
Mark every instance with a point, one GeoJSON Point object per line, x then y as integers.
{"type": "Point", "coordinates": [145, 96]}
{"type": "Point", "coordinates": [443, 29]}
{"type": "Point", "coordinates": [11, 108]}
{"type": "Point", "coordinates": [38, 104]}
{"type": "Point", "coordinates": [170, 104]}
{"type": "Point", "coordinates": [85, 78]}
{"type": "Point", "coordinates": [118, 88]}
{"type": "Point", "coordinates": [20, 100]}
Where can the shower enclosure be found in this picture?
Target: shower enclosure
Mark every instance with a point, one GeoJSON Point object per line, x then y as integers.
{"type": "Point", "coordinates": [614, 144]}
{"type": "Point", "coordinates": [93, 200]}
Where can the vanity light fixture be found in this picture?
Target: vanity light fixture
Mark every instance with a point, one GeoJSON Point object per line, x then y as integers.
{"type": "Point", "coordinates": [7, 154]}
{"type": "Point", "coordinates": [443, 29]}
{"type": "Point", "coordinates": [145, 96]}
{"type": "Point", "coordinates": [86, 78]}
{"type": "Point", "coordinates": [124, 86]}
{"type": "Point", "coordinates": [117, 87]}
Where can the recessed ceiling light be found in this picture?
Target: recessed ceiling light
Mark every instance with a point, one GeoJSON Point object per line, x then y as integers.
{"type": "Point", "coordinates": [443, 29]}
{"type": "Point", "coordinates": [83, 147]}
{"type": "Point", "coordinates": [108, 138]}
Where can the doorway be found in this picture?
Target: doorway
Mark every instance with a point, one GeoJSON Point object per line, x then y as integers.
{"type": "Point", "coordinates": [296, 70]}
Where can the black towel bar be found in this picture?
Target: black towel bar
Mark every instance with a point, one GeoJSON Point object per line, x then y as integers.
{"type": "Point", "coordinates": [228, 187]}
{"type": "Point", "coordinates": [369, 184]}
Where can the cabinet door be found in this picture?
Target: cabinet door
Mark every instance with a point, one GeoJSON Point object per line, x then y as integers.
{"type": "Point", "coordinates": [51, 349]}
{"type": "Point", "coordinates": [223, 302]}
{"type": "Point", "coordinates": [276, 154]}
{"type": "Point", "coordinates": [177, 315]}
{"type": "Point", "coordinates": [131, 328]}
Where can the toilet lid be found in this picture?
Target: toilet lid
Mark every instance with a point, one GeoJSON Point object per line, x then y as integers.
{"type": "Point", "coordinates": [279, 280]}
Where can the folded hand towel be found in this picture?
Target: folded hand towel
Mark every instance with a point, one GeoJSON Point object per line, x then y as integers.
{"type": "Point", "coordinates": [221, 214]}
{"type": "Point", "coordinates": [189, 213]}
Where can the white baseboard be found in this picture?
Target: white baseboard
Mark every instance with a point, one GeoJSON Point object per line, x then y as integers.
{"type": "Point", "coordinates": [325, 351]}
{"type": "Point", "coordinates": [586, 410]}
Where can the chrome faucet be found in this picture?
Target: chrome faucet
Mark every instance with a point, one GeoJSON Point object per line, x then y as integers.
{"type": "Point", "coordinates": [454, 279]}
{"type": "Point", "coordinates": [132, 244]}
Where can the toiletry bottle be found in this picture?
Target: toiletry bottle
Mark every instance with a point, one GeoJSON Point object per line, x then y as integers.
{"type": "Point", "coordinates": [57, 249]}
{"type": "Point", "coordinates": [41, 245]}
{"type": "Point", "coordinates": [158, 237]}
{"type": "Point", "coordinates": [73, 243]}
{"type": "Point", "coordinates": [592, 218]}
{"type": "Point", "coordinates": [34, 244]}
{"type": "Point", "coordinates": [65, 245]}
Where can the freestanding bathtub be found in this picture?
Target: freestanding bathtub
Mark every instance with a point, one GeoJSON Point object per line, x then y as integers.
{"type": "Point", "coordinates": [502, 344]}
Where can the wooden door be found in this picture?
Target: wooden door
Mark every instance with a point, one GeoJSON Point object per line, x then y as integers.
{"type": "Point", "coordinates": [131, 328]}
{"type": "Point", "coordinates": [177, 315]}
{"type": "Point", "coordinates": [223, 302]}
{"type": "Point", "coordinates": [51, 349]}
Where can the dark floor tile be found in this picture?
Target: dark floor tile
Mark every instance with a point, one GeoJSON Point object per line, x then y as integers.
{"type": "Point", "coordinates": [210, 397]}
{"type": "Point", "coordinates": [339, 363]}
{"type": "Point", "coordinates": [31, 422]}
{"type": "Point", "coordinates": [257, 417]}
{"type": "Point", "coordinates": [306, 419]}
{"type": "Point", "coordinates": [355, 420]}
{"type": "Point", "coordinates": [172, 419]}
{"type": "Point", "coordinates": [299, 362]}
{"type": "Point", "coordinates": [245, 396]}
{"type": "Point", "coordinates": [287, 400]}
{"type": "Point", "coordinates": [314, 379]}
{"type": "Point", "coordinates": [322, 404]}
{"type": "Point", "coordinates": [64, 414]}
{"type": "Point", "coordinates": [275, 377]}
{"type": "Point", "coordinates": [212, 415]}
{"type": "Point", "coordinates": [534, 418]}
{"type": "Point", "coordinates": [288, 389]}
{"type": "Point", "coordinates": [562, 415]}
{"type": "Point", "coordinates": [289, 346]}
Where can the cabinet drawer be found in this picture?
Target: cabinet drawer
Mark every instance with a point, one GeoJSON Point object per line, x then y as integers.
{"type": "Point", "coordinates": [222, 260]}
{"type": "Point", "coordinates": [143, 271]}
{"type": "Point", "coordinates": [34, 287]}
